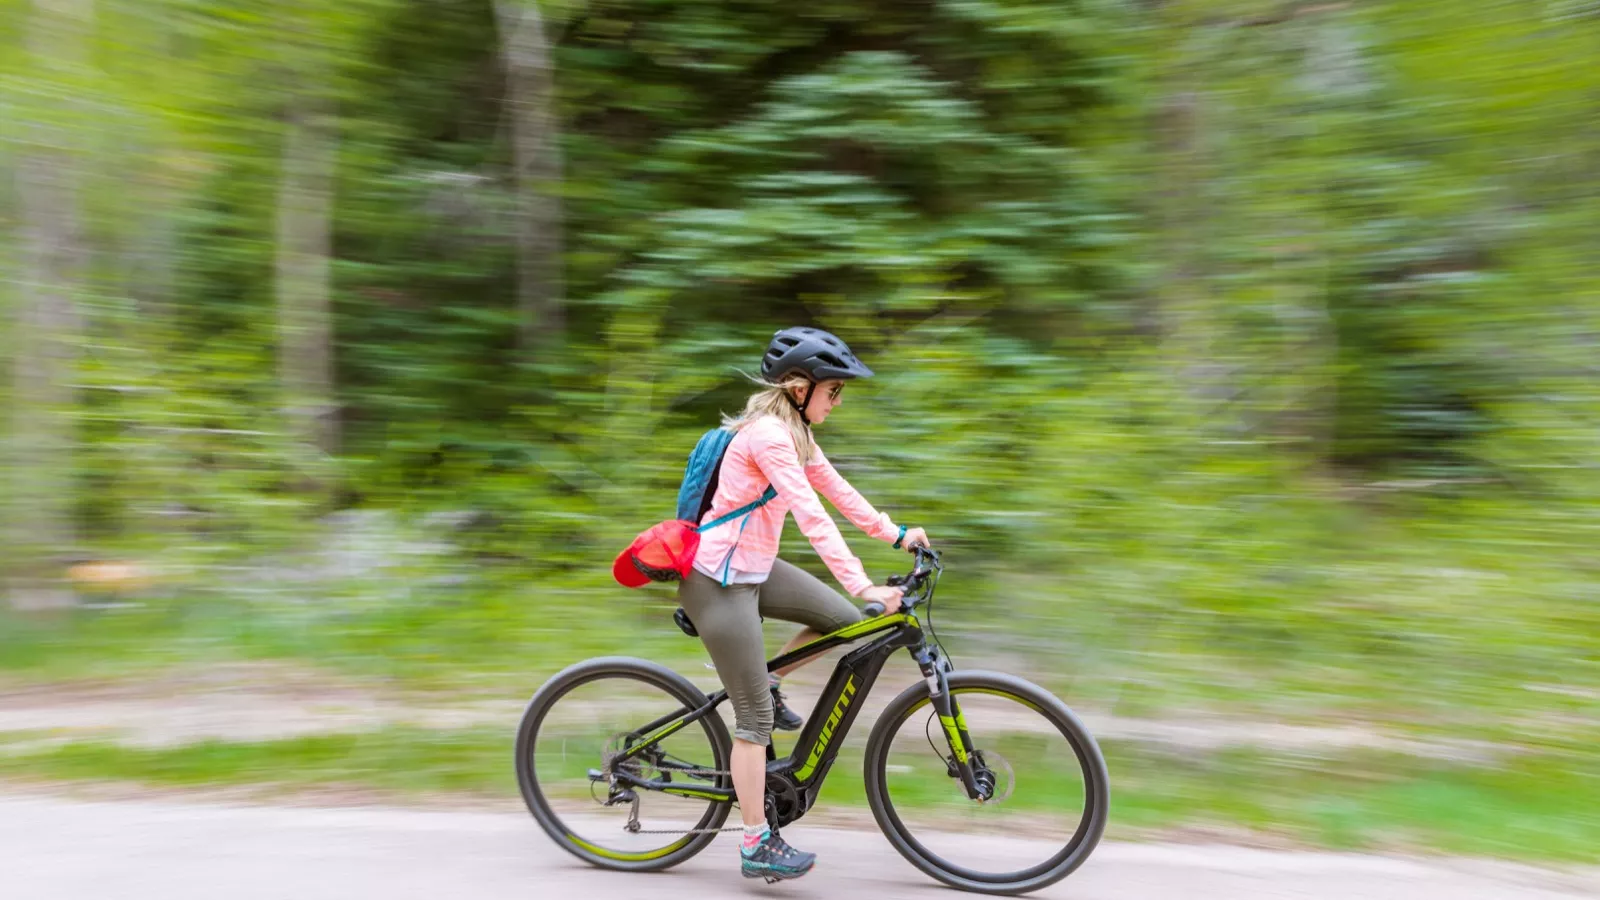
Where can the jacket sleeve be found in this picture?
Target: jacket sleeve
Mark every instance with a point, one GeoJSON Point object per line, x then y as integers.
{"type": "Point", "coordinates": [846, 499]}
{"type": "Point", "coordinates": [774, 453]}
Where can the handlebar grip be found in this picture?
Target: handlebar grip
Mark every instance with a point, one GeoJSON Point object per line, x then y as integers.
{"type": "Point", "coordinates": [873, 609]}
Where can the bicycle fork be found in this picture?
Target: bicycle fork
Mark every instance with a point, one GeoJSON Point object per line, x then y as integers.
{"type": "Point", "coordinates": [964, 763]}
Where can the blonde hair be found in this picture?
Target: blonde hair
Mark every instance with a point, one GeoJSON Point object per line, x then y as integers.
{"type": "Point", "coordinates": [774, 400]}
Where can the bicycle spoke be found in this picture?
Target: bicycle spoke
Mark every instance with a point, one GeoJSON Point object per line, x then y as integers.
{"type": "Point", "coordinates": [579, 747]}
{"type": "Point", "coordinates": [1036, 786]}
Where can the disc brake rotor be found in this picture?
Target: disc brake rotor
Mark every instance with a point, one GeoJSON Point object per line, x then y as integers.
{"type": "Point", "coordinates": [1005, 779]}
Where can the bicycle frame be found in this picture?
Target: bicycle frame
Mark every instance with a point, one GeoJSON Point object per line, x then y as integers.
{"type": "Point", "coordinates": [817, 746]}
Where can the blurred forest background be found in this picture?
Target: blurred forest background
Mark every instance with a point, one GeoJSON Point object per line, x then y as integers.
{"type": "Point", "coordinates": [1242, 354]}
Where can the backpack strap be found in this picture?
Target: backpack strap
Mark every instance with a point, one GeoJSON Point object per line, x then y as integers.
{"type": "Point", "coordinates": [765, 498]}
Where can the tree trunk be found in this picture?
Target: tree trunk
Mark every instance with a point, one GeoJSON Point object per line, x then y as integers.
{"type": "Point", "coordinates": [1187, 314]}
{"type": "Point", "coordinates": [151, 264]}
{"type": "Point", "coordinates": [537, 164]}
{"type": "Point", "coordinates": [1192, 317]}
{"type": "Point", "coordinates": [304, 250]}
{"type": "Point", "coordinates": [48, 323]}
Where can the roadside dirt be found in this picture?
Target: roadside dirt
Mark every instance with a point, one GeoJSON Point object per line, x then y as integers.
{"type": "Point", "coordinates": [267, 701]}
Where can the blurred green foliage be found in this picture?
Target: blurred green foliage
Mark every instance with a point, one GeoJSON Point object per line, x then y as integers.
{"type": "Point", "coordinates": [1227, 345]}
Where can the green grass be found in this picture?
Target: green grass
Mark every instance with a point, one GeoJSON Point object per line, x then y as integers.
{"type": "Point", "coordinates": [1470, 665]}
{"type": "Point", "coordinates": [1534, 807]}
{"type": "Point", "coordinates": [1538, 807]}
{"type": "Point", "coordinates": [403, 761]}
{"type": "Point", "coordinates": [433, 641]}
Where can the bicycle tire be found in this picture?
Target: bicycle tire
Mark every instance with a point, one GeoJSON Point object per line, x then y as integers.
{"type": "Point", "coordinates": [1092, 764]}
{"type": "Point", "coordinates": [618, 667]}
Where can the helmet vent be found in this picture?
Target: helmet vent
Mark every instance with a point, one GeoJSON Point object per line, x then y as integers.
{"type": "Point", "coordinates": [811, 352]}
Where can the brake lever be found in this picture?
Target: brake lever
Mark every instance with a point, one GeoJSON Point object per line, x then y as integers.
{"type": "Point", "coordinates": [873, 608]}
{"type": "Point", "coordinates": [927, 563]}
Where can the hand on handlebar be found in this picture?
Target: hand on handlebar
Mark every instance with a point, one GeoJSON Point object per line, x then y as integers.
{"type": "Point", "coordinates": [916, 537]}
{"type": "Point", "coordinates": [882, 599]}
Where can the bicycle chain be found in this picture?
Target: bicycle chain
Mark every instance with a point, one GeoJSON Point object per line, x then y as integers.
{"type": "Point", "coordinates": [692, 830]}
{"type": "Point", "coordinates": [634, 812]}
{"type": "Point", "coordinates": [687, 830]}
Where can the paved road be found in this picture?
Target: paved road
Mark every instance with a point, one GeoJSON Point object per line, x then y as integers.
{"type": "Point", "coordinates": [56, 849]}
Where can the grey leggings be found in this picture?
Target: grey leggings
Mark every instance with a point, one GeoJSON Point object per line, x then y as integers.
{"type": "Point", "coordinates": [729, 622]}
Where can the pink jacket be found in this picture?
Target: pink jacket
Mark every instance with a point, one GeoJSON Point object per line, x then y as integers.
{"type": "Point", "coordinates": [763, 453]}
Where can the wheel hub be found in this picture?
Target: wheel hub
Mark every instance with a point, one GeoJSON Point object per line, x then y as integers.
{"type": "Point", "coordinates": [994, 775]}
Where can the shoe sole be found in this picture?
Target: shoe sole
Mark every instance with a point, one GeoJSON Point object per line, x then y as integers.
{"type": "Point", "coordinates": [774, 877]}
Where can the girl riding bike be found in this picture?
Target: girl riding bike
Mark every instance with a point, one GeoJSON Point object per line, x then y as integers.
{"type": "Point", "coordinates": [737, 579]}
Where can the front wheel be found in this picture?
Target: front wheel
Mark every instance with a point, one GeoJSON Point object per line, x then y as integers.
{"type": "Point", "coordinates": [1046, 783]}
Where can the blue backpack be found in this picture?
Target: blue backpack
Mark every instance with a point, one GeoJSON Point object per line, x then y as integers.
{"type": "Point", "coordinates": [701, 477]}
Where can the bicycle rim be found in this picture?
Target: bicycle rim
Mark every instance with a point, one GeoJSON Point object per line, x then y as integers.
{"type": "Point", "coordinates": [1049, 796]}
{"type": "Point", "coordinates": [580, 728]}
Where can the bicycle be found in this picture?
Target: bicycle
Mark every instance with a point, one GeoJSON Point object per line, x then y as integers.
{"type": "Point", "coordinates": [673, 751]}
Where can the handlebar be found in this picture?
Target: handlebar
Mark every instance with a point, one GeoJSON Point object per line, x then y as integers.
{"type": "Point", "coordinates": [915, 584]}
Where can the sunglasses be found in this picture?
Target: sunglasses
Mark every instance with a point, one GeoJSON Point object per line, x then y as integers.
{"type": "Point", "coordinates": [835, 391]}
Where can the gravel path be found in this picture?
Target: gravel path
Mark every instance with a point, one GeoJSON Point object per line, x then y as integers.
{"type": "Point", "coordinates": [57, 849]}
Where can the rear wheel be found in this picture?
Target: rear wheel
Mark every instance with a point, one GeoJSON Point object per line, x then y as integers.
{"type": "Point", "coordinates": [1042, 771]}
{"type": "Point", "coordinates": [570, 738]}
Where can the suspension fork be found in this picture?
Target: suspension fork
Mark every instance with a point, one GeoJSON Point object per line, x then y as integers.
{"type": "Point", "coordinates": [935, 670]}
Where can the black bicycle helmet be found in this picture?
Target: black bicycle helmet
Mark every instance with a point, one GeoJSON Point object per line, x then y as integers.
{"type": "Point", "coordinates": [811, 352]}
